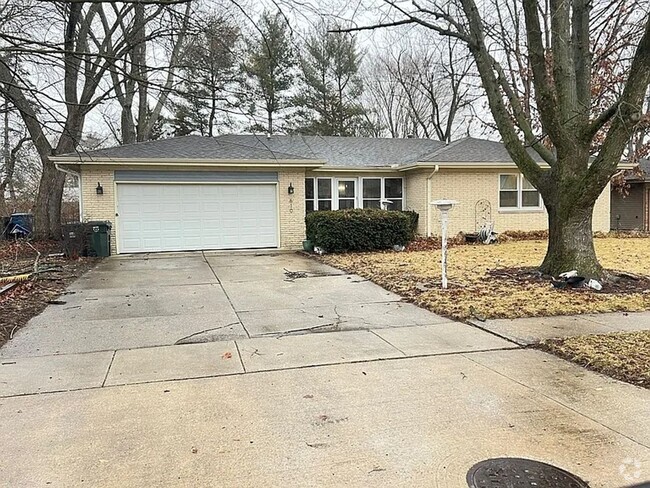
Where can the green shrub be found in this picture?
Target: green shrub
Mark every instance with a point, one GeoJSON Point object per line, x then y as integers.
{"type": "Point", "coordinates": [414, 218]}
{"type": "Point", "coordinates": [359, 229]}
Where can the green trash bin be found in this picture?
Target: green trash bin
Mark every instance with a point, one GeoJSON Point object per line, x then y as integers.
{"type": "Point", "coordinates": [100, 238]}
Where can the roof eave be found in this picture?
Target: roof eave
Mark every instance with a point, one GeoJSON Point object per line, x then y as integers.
{"type": "Point", "coordinates": [464, 165]}
{"type": "Point", "coordinates": [358, 169]}
{"type": "Point", "coordinates": [257, 163]}
{"type": "Point", "coordinates": [479, 165]}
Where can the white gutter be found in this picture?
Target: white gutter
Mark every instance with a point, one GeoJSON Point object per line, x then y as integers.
{"type": "Point", "coordinates": [78, 176]}
{"type": "Point", "coordinates": [428, 197]}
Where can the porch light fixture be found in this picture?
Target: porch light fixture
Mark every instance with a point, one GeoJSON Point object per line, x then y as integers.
{"type": "Point", "coordinates": [99, 189]}
{"type": "Point", "coordinates": [291, 189]}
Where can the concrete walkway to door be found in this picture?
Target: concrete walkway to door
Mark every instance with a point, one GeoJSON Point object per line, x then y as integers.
{"type": "Point", "coordinates": [206, 369]}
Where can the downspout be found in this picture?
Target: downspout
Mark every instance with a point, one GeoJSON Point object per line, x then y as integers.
{"type": "Point", "coordinates": [78, 176]}
{"type": "Point", "coordinates": [428, 211]}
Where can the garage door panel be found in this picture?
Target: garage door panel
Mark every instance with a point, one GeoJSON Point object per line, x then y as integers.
{"type": "Point", "coordinates": [174, 217]}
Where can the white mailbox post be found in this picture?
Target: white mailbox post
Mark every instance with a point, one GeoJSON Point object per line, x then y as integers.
{"type": "Point", "coordinates": [444, 206]}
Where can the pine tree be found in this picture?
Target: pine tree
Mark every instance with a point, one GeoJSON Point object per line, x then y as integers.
{"type": "Point", "coordinates": [211, 79]}
{"type": "Point", "coordinates": [270, 67]}
{"type": "Point", "coordinates": [329, 98]}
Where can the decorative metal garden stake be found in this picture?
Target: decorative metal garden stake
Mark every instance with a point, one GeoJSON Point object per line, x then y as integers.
{"type": "Point", "coordinates": [444, 206]}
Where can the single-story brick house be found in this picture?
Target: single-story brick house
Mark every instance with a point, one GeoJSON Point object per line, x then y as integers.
{"type": "Point", "coordinates": [631, 209]}
{"type": "Point", "coordinates": [247, 191]}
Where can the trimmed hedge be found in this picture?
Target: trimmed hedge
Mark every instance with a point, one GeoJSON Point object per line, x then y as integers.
{"type": "Point", "coordinates": [359, 229]}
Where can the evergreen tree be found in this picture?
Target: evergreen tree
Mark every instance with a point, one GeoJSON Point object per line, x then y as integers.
{"type": "Point", "coordinates": [211, 79]}
{"type": "Point", "coordinates": [270, 67]}
{"type": "Point", "coordinates": [329, 98]}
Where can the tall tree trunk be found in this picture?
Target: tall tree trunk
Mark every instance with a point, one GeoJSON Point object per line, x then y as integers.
{"type": "Point", "coordinates": [47, 210]}
{"type": "Point", "coordinates": [570, 240]}
{"type": "Point", "coordinates": [269, 122]}
{"type": "Point", "coordinates": [127, 125]}
{"type": "Point", "coordinates": [6, 155]}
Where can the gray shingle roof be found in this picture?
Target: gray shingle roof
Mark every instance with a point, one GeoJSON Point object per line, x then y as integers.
{"type": "Point", "coordinates": [471, 150]}
{"type": "Point", "coordinates": [334, 151]}
{"type": "Point", "coordinates": [344, 151]}
{"type": "Point", "coordinates": [188, 147]}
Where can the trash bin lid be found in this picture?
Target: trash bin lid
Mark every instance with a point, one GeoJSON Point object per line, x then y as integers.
{"type": "Point", "coordinates": [100, 222]}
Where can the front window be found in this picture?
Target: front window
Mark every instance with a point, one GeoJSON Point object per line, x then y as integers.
{"type": "Point", "coordinates": [372, 193]}
{"type": "Point", "coordinates": [310, 205]}
{"type": "Point", "coordinates": [386, 191]}
{"type": "Point", "coordinates": [393, 193]}
{"type": "Point", "coordinates": [324, 194]}
{"type": "Point", "coordinates": [516, 192]}
{"type": "Point", "coordinates": [345, 193]}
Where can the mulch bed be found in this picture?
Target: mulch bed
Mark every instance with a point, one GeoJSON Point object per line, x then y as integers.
{"type": "Point", "coordinates": [622, 355]}
{"type": "Point", "coordinates": [618, 283]}
{"type": "Point", "coordinates": [29, 298]}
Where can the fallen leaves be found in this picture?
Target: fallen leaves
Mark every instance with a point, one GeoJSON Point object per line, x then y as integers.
{"type": "Point", "coordinates": [482, 283]}
{"type": "Point", "coordinates": [28, 298]}
{"type": "Point", "coordinates": [622, 355]}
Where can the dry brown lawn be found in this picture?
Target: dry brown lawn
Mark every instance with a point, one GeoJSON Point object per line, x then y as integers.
{"type": "Point", "coordinates": [625, 355]}
{"type": "Point", "coordinates": [477, 290]}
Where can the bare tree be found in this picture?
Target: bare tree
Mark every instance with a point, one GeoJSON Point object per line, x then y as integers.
{"type": "Point", "coordinates": [14, 141]}
{"type": "Point", "coordinates": [70, 51]}
{"type": "Point", "coordinates": [136, 82]}
{"type": "Point", "coordinates": [422, 90]}
{"type": "Point", "coordinates": [559, 55]}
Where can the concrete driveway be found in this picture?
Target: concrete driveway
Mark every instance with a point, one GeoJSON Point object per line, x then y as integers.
{"type": "Point", "coordinates": [180, 298]}
{"type": "Point", "coordinates": [205, 369]}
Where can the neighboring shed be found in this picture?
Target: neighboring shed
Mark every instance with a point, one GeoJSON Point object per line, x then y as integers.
{"type": "Point", "coordinates": [630, 210]}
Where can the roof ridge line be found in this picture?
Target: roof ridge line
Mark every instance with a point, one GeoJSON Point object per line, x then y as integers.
{"type": "Point", "coordinates": [442, 149]}
{"type": "Point", "coordinates": [296, 156]}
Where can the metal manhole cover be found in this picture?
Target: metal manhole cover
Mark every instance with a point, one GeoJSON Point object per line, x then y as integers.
{"type": "Point", "coordinates": [520, 473]}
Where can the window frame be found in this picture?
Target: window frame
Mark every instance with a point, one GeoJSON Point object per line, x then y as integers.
{"type": "Point", "coordinates": [354, 198]}
{"type": "Point", "coordinates": [382, 189]}
{"type": "Point", "coordinates": [520, 191]}
{"type": "Point", "coordinates": [358, 190]}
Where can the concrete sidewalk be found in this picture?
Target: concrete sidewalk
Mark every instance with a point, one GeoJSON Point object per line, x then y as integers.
{"type": "Point", "coordinates": [66, 372]}
{"type": "Point", "coordinates": [532, 330]}
{"type": "Point", "coordinates": [421, 421]}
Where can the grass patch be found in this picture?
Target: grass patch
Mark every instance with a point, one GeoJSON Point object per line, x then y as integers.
{"type": "Point", "coordinates": [498, 281]}
{"type": "Point", "coordinates": [624, 355]}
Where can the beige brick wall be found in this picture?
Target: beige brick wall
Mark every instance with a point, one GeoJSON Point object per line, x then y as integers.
{"type": "Point", "coordinates": [467, 187]}
{"type": "Point", "coordinates": [291, 207]}
{"type": "Point", "coordinates": [99, 207]}
{"type": "Point", "coordinates": [416, 196]}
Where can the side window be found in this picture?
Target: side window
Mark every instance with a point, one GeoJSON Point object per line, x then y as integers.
{"type": "Point", "coordinates": [515, 192]}
{"type": "Point", "coordinates": [508, 192]}
{"type": "Point", "coordinates": [529, 194]}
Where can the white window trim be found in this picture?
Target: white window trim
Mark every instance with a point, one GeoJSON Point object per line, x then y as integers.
{"type": "Point", "coordinates": [358, 189]}
{"type": "Point", "coordinates": [382, 186]}
{"type": "Point", "coordinates": [520, 190]}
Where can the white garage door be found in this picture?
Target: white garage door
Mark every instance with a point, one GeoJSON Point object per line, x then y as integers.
{"type": "Point", "coordinates": [180, 217]}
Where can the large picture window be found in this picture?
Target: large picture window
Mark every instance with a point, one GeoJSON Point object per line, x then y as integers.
{"type": "Point", "coordinates": [344, 193]}
{"type": "Point", "coordinates": [383, 190]}
{"type": "Point", "coordinates": [516, 192]}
